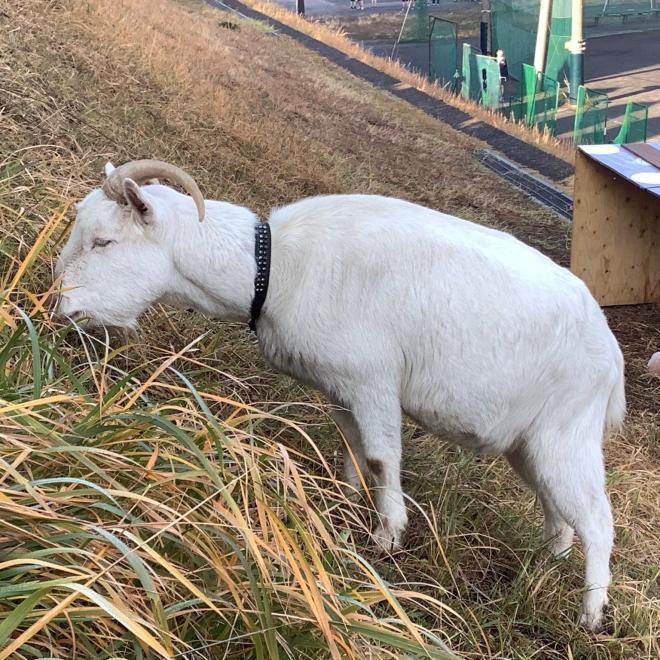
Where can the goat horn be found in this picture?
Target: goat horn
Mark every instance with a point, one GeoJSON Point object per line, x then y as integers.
{"type": "Point", "coordinates": [143, 170]}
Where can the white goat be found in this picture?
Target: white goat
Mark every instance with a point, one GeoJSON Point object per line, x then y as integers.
{"type": "Point", "coordinates": [384, 306]}
{"type": "Point", "coordinates": [654, 363]}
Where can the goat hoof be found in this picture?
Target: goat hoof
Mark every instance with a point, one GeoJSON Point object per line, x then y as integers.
{"type": "Point", "coordinates": [595, 622]}
{"type": "Point", "coordinates": [386, 540]}
{"type": "Point", "coordinates": [561, 551]}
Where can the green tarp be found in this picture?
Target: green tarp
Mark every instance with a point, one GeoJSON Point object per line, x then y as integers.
{"type": "Point", "coordinates": [489, 78]}
{"type": "Point", "coordinates": [633, 126]}
{"type": "Point", "coordinates": [471, 86]}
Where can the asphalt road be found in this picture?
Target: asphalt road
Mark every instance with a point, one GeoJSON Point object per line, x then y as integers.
{"type": "Point", "coordinates": [627, 68]}
{"type": "Point", "coordinates": [343, 7]}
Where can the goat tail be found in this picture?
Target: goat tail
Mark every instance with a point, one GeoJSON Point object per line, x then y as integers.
{"type": "Point", "coordinates": [616, 405]}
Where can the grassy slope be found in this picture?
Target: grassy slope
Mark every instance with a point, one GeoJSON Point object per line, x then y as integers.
{"type": "Point", "coordinates": [259, 121]}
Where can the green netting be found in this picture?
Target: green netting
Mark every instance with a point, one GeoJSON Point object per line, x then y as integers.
{"type": "Point", "coordinates": [633, 126]}
{"type": "Point", "coordinates": [443, 50]}
{"type": "Point", "coordinates": [621, 7]}
{"type": "Point", "coordinates": [515, 22]}
{"type": "Point", "coordinates": [514, 30]}
{"type": "Point", "coordinates": [556, 61]}
{"type": "Point", "coordinates": [416, 25]}
{"type": "Point", "coordinates": [590, 117]}
{"type": "Point", "coordinates": [471, 85]}
{"type": "Point", "coordinates": [537, 100]}
{"type": "Point", "coordinates": [489, 78]}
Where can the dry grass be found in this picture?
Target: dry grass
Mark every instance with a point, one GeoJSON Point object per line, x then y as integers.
{"type": "Point", "coordinates": [186, 443]}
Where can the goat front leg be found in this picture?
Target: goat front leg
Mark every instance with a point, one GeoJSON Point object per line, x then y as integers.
{"type": "Point", "coordinates": [379, 424]}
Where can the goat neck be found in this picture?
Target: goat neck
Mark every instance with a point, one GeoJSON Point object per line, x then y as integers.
{"type": "Point", "coordinates": [214, 261]}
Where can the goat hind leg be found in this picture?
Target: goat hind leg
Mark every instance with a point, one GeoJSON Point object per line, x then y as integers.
{"type": "Point", "coordinates": [574, 480]}
{"type": "Point", "coordinates": [557, 533]}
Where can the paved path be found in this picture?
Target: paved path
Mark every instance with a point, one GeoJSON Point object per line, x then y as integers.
{"type": "Point", "coordinates": [343, 7]}
{"type": "Point", "coordinates": [627, 68]}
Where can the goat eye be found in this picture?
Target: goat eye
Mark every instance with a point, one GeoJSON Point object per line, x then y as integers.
{"type": "Point", "coordinates": [101, 242]}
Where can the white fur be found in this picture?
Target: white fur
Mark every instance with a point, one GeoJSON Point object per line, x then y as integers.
{"type": "Point", "coordinates": [387, 306]}
{"type": "Point", "coordinates": [654, 363]}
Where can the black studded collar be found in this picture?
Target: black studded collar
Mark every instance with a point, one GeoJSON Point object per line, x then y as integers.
{"type": "Point", "coordinates": [262, 257]}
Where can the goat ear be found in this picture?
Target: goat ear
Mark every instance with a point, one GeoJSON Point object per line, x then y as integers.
{"type": "Point", "coordinates": [138, 201]}
{"type": "Point", "coordinates": [108, 168]}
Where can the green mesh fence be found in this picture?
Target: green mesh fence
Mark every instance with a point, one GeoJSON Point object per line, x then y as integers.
{"type": "Point", "coordinates": [546, 102]}
{"type": "Point", "coordinates": [515, 23]}
{"type": "Point", "coordinates": [518, 109]}
{"type": "Point", "coordinates": [416, 26]}
{"type": "Point", "coordinates": [590, 117]}
{"type": "Point", "coordinates": [514, 30]}
{"type": "Point", "coordinates": [443, 50]}
{"type": "Point", "coordinates": [489, 78]}
{"type": "Point", "coordinates": [633, 126]}
{"type": "Point", "coordinates": [471, 85]}
{"type": "Point", "coordinates": [537, 100]}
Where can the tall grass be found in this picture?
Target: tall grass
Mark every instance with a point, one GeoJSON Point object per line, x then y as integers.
{"type": "Point", "coordinates": [137, 521]}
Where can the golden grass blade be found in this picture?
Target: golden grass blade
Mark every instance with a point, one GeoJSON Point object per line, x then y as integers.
{"type": "Point", "coordinates": [29, 405]}
{"type": "Point", "coordinates": [165, 365]}
{"type": "Point", "coordinates": [38, 246]}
